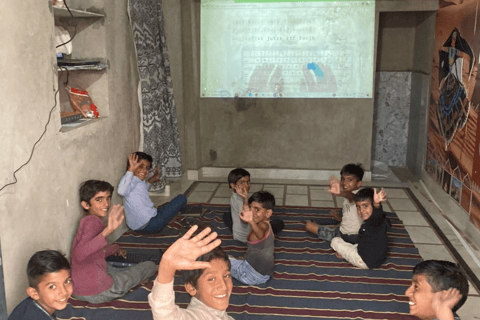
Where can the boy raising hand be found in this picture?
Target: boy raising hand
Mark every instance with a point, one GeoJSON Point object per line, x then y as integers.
{"type": "Point", "coordinates": [258, 265]}
{"type": "Point", "coordinates": [206, 273]}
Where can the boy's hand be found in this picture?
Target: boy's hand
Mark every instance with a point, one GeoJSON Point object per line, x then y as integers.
{"type": "Point", "coordinates": [336, 215]}
{"type": "Point", "coordinates": [444, 301]}
{"type": "Point", "coordinates": [182, 254]}
{"type": "Point", "coordinates": [379, 197]}
{"type": "Point", "coordinates": [241, 191]}
{"type": "Point", "coordinates": [156, 176]}
{"type": "Point", "coordinates": [246, 214]}
{"type": "Point", "coordinates": [115, 217]}
{"type": "Point", "coordinates": [334, 186]}
{"type": "Point", "coordinates": [133, 162]}
{"type": "Point", "coordinates": [122, 253]}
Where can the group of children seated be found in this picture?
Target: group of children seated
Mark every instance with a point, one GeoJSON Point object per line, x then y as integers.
{"type": "Point", "coordinates": [438, 288]}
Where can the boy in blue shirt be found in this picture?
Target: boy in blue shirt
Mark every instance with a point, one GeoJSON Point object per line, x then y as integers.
{"type": "Point", "coordinates": [140, 213]}
{"type": "Point", "coordinates": [50, 287]}
{"type": "Point", "coordinates": [439, 288]}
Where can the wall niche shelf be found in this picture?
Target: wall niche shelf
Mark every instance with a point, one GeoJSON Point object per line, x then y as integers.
{"type": "Point", "coordinates": [88, 60]}
{"type": "Point", "coordinates": [63, 13]}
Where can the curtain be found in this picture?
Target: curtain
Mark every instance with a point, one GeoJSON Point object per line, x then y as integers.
{"type": "Point", "coordinates": [161, 139]}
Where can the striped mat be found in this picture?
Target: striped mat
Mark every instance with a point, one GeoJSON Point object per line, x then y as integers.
{"type": "Point", "coordinates": [309, 282]}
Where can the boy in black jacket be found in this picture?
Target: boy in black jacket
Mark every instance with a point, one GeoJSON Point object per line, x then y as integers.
{"type": "Point", "coordinates": [372, 246]}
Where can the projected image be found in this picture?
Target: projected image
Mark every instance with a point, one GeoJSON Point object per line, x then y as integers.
{"type": "Point", "coordinates": [266, 49]}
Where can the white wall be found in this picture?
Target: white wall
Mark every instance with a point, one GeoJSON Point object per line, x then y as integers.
{"type": "Point", "coordinates": [41, 210]}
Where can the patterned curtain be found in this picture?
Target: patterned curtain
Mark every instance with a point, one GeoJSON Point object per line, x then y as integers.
{"type": "Point", "coordinates": [160, 124]}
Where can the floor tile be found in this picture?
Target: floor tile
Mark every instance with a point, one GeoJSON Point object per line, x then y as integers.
{"type": "Point", "coordinates": [396, 193]}
{"type": "Point", "coordinates": [224, 192]}
{"type": "Point", "coordinates": [402, 205]}
{"type": "Point", "coordinates": [323, 204]}
{"type": "Point", "coordinates": [320, 195]}
{"type": "Point", "coordinates": [255, 188]}
{"type": "Point", "coordinates": [204, 186]}
{"type": "Point", "coordinates": [472, 290]}
{"type": "Point", "coordinates": [434, 251]}
{"type": "Point", "coordinates": [296, 200]}
{"type": "Point", "coordinates": [412, 218]}
{"type": "Point", "coordinates": [297, 190]}
{"type": "Point", "coordinates": [469, 311]}
{"type": "Point", "coordinates": [422, 235]}
{"type": "Point", "coordinates": [277, 192]}
{"type": "Point", "coordinates": [199, 196]}
{"type": "Point", "coordinates": [220, 201]}
{"type": "Point", "coordinates": [279, 201]}
{"type": "Point", "coordinates": [318, 187]}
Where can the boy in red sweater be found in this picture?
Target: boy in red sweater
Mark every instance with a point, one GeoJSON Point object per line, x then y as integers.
{"type": "Point", "coordinates": [93, 280]}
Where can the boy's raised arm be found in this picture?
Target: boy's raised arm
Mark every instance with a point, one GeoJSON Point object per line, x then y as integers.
{"type": "Point", "coordinates": [336, 190]}
{"type": "Point", "coordinates": [443, 303]}
{"type": "Point", "coordinates": [182, 254]}
{"type": "Point", "coordinates": [258, 229]}
{"type": "Point", "coordinates": [379, 197]}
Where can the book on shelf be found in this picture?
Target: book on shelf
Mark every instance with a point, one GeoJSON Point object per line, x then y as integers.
{"type": "Point", "coordinates": [68, 117]}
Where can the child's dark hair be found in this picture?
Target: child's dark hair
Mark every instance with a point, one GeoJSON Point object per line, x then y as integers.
{"type": "Point", "coordinates": [90, 188]}
{"type": "Point", "coordinates": [443, 275]}
{"type": "Point", "coordinates": [355, 169]}
{"type": "Point", "coordinates": [235, 175]}
{"type": "Point", "coordinates": [142, 156]}
{"type": "Point", "coordinates": [43, 262]}
{"type": "Point", "coordinates": [265, 198]}
{"type": "Point", "coordinates": [364, 194]}
{"type": "Point", "coordinates": [191, 276]}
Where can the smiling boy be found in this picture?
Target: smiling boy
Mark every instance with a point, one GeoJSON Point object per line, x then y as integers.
{"type": "Point", "coordinates": [258, 265]}
{"type": "Point", "coordinates": [93, 280]}
{"type": "Point", "coordinates": [350, 181]}
{"type": "Point", "coordinates": [372, 246]}
{"type": "Point", "coordinates": [49, 289]}
{"type": "Point", "coordinates": [206, 273]}
{"type": "Point", "coordinates": [439, 288]}
{"type": "Point", "coordinates": [140, 212]}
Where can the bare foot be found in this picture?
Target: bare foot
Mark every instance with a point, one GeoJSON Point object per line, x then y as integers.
{"type": "Point", "coordinates": [311, 227]}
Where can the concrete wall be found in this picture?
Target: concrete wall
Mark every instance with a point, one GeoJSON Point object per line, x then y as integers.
{"type": "Point", "coordinates": [41, 211]}
{"type": "Point", "coordinates": [315, 134]}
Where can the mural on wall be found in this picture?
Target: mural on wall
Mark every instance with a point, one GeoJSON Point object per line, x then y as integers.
{"type": "Point", "coordinates": [453, 152]}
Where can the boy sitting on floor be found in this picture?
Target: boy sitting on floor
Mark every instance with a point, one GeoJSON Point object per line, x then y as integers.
{"type": "Point", "coordinates": [371, 250]}
{"type": "Point", "coordinates": [258, 265]}
{"type": "Point", "coordinates": [239, 182]}
{"type": "Point", "coordinates": [142, 216]}
{"type": "Point", "coordinates": [206, 272]}
{"type": "Point", "coordinates": [49, 288]}
{"type": "Point", "coordinates": [438, 290]}
{"type": "Point", "coordinates": [350, 182]}
{"type": "Point", "coordinates": [93, 279]}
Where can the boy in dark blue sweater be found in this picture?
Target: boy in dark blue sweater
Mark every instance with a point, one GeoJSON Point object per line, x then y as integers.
{"type": "Point", "coordinates": [372, 246]}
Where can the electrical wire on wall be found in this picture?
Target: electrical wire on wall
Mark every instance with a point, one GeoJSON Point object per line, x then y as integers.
{"type": "Point", "coordinates": [49, 114]}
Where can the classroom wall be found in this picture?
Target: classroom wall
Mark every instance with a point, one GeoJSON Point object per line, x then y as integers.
{"type": "Point", "coordinates": [41, 210]}
{"type": "Point", "coordinates": [316, 134]}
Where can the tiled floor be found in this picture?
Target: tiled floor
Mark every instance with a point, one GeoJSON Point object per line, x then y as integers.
{"type": "Point", "coordinates": [428, 240]}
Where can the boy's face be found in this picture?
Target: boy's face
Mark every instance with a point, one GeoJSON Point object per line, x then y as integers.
{"type": "Point", "coordinates": [142, 171]}
{"type": "Point", "coordinates": [53, 291]}
{"type": "Point", "coordinates": [243, 183]}
{"type": "Point", "coordinates": [349, 182]}
{"type": "Point", "coordinates": [364, 209]}
{"type": "Point", "coordinates": [420, 294]}
{"type": "Point", "coordinates": [214, 285]}
{"type": "Point", "coordinates": [260, 214]}
{"type": "Point", "coordinates": [99, 204]}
